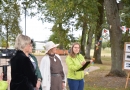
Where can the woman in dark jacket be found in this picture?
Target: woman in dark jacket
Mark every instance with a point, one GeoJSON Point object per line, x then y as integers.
{"type": "Point", "coordinates": [22, 70]}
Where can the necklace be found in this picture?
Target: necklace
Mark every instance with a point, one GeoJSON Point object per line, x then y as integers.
{"type": "Point", "coordinates": [53, 58]}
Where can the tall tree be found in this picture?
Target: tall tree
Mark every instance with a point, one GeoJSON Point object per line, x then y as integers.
{"type": "Point", "coordinates": [82, 10]}
{"type": "Point", "coordinates": [10, 14]}
{"type": "Point", "coordinates": [125, 14]}
{"type": "Point", "coordinates": [112, 13]}
{"type": "Point", "coordinates": [60, 36]}
{"type": "Point", "coordinates": [125, 20]}
{"type": "Point", "coordinates": [98, 32]}
{"type": "Point", "coordinates": [83, 37]}
{"type": "Point", "coordinates": [89, 41]}
{"type": "Point", "coordinates": [87, 12]}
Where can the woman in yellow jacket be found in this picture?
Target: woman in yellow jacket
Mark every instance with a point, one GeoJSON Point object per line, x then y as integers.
{"type": "Point", "coordinates": [74, 62]}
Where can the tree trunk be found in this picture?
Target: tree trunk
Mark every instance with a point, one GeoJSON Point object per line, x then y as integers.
{"type": "Point", "coordinates": [83, 38]}
{"type": "Point", "coordinates": [89, 43]}
{"type": "Point", "coordinates": [97, 53]}
{"type": "Point", "coordinates": [113, 19]}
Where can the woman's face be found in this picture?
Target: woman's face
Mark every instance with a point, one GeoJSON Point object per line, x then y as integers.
{"type": "Point", "coordinates": [76, 48]}
{"type": "Point", "coordinates": [28, 48]}
{"type": "Point", "coordinates": [52, 51]}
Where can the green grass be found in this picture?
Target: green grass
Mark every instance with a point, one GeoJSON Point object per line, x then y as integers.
{"type": "Point", "coordinates": [105, 52]}
{"type": "Point", "coordinates": [105, 67]}
{"type": "Point", "coordinates": [101, 88]}
{"type": "Point", "coordinates": [97, 88]}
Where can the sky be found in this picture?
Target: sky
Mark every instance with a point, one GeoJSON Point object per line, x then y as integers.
{"type": "Point", "coordinates": [39, 31]}
{"type": "Point", "coordinates": [36, 29]}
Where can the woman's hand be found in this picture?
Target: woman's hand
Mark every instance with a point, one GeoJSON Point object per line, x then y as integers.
{"type": "Point", "coordinates": [83, 63]}
{"type": "Point", "coordinates": [92, 60]}
{"type": "Point", "coordinates": [38, 84]}
{"type": "Point", "coordinates": [63, 85]}
{"type": "Point", "coordinates": [1, 76]}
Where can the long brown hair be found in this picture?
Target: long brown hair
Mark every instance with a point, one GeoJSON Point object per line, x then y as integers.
{"type": "Point", "coordinates": [72, 54]}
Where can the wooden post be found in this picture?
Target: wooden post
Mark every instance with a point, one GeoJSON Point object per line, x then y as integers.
{"type": "Point", "coordinates": [127, 80]}
{"type": "Point", "coordinates": [126, 61]}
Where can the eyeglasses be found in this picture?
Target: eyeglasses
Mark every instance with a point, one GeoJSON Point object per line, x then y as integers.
{"type": "Point", "coordinates": [30, 45]}
{"type": "Point", "coordinates": [76, 47]}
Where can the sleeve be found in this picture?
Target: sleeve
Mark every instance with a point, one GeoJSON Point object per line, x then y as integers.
{"type": "Point", "coordinates": [81, 57]}
{"type": "Point", "coordinates": [45, 71]}
{"type": "Point", "coordinates": [38, 73]}
{"type": "Point", "coordinates": [71, 65]}
{"type": "Point", "coordinates": [28, 70]}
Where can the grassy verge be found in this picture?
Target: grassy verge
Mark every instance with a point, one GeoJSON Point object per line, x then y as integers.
{"type": "Point", "coordinates": [97, 81]}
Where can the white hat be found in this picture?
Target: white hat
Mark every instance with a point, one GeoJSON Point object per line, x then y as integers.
{"type": "Point", "coordinates": [49, 45]}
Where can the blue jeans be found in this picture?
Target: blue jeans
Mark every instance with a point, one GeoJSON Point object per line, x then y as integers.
{"type": "Point", "coordinates": [76, 84]}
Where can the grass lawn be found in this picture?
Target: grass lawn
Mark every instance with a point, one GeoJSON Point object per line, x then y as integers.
{"type": "Point", "coordinates": [97, 80]}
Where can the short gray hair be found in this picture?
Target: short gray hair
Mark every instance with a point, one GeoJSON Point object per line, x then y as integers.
{"type": "Point", "coordinates": [21, 41]}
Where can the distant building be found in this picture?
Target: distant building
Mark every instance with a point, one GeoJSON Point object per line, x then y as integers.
{"type": "Point", "coordinates": [39, 47]}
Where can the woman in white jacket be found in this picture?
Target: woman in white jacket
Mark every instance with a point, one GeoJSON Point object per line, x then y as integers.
{"type": "Point", "coordinates": [52, 69]}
